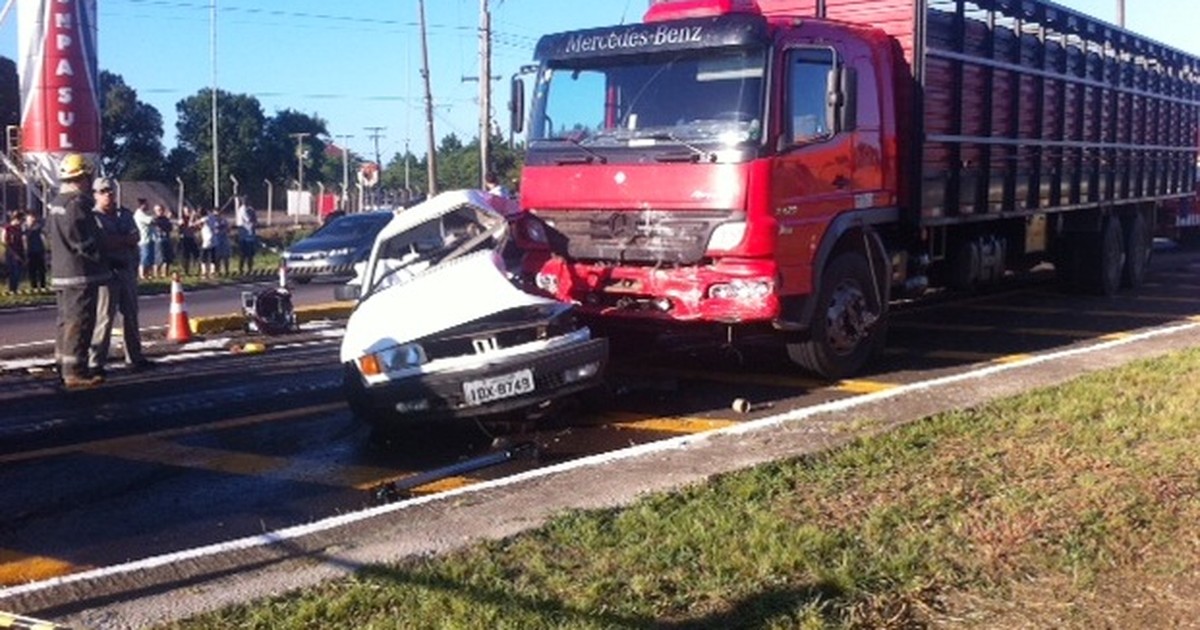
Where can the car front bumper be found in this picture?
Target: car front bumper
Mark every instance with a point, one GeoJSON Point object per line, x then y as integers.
{"type": "Point", "coordinates": [440, 396]}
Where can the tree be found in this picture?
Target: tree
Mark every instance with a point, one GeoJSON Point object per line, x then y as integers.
{"type": "Point", "coordinates": [131, 142]}
{"type": "Point", "coordinates": [241, 123]}
{"type": "Point", "coordinates": [279, 148]}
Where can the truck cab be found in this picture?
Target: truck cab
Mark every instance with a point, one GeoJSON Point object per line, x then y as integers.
{"type": "Point", "coordinates": [692, 168]}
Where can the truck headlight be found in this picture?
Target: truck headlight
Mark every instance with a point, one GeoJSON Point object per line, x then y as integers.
{"type": "Point", "coordinates": [409, 355]}
{"type": "Point", "coordinates": [727, 236]}
{"type": "Point", "coordinates": [745, 290]}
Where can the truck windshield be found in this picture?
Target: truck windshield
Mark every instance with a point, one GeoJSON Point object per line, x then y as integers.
{"type": "Point", "coordinates": [689, 97]}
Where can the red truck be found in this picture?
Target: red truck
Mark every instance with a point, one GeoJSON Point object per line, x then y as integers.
{"type": "Point", "coordinates": [794, 165]}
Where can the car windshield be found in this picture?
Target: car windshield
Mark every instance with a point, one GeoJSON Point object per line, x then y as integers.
{"type": "Point", "coordinates": [462, 231]}
{"type": "Point", "coordinates": [685, 97]}
{"type": "Point", "coordinates": [354, 227]}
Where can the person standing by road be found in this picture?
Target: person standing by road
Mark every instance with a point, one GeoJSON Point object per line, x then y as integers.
{"type": "Point", "coordinates": [164, 249]}
{"type": "Point", "coordinates": [120, 293]}
{"type": "Point", "coordinates": [247, 229]}
{"type": "Point", "coordinates": [78, 271]}
{"type": "Point", "coordinates": [147, 244]}
{"type": "Point", "coordinates": [35, 251]}
{"type": "Point", "coordinates": [14, 250]}
{"type": "Point", "coordinates": [208, 245]}
{"type": "Point", "coordinates": [189, 247]}
{"type": "Point", "coordinates": [221, 241]}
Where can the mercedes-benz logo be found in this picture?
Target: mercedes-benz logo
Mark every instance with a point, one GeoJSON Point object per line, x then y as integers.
{"type": "Point", "coordinates": [621, 225]}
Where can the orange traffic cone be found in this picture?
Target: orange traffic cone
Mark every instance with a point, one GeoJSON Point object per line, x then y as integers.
{"type": "Point", "coordinates": [179, 329]}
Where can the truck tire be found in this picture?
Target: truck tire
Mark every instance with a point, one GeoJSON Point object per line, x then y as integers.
{"type": "Point", "coordinates": [1104, 259]}
{"type": "Point", "coordinates": [850, 323]}
{"type": "Point", "coordinates": [1138, 248]}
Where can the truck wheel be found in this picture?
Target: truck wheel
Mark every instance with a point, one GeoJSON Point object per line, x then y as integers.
{"type": "Point", "coordinates": [1138, 248]}
{"type": "Point", "coordinates": [1104, 259]}
{"type": "Point", "coordinates": [850, 323]}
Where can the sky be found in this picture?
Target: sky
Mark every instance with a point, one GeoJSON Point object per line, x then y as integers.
{"type": "Point", "coordinates": [356, 63]}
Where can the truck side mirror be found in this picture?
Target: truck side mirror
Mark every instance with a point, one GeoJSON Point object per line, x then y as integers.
{"type": "Point", "coordinates": [833, 98]}
{"type": "Point", "coordinates": [841, 103]}
{"type": "Point", "coordinates": [516, 106]}
{"type": "Point", "coordinates": [848, 117]}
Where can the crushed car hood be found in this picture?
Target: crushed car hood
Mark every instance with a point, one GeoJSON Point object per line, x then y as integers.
{"type": "Point", "coordinates": [424, 298]}
{"type": "Point", "coordinates": [464, 290]}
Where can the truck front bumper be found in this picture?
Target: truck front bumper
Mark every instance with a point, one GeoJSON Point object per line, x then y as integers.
{"type": "Point", "coordinates": [724, 293]}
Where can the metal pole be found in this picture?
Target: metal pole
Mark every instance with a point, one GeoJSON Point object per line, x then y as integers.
{"type": "Point", "coordinates": [344, 200]}
{"type": "Point", "coordinates": [235, 185]}
{"type": "Point", "coordinates": [485, 91]}
{"type": "Point", "coordinates": [179, 208]}
{"type": "Point", "coordinates": [431, 188]}
{"type": "Point", "coordinates": [1121, 13]}
{"type": "Point", "coordinates": [270, 199]}
{"type": "Point", "coordinates": [215, 141]}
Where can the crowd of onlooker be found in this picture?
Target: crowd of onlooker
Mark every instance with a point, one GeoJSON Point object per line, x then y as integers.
{"type": "Point", "coordinates": [201, 242]}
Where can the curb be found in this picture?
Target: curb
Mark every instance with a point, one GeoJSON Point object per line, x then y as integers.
{"type": "Point", "coordinates": [237, 321]}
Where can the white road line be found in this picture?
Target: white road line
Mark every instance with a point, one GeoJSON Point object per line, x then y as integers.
{"type": "Point", "coordinates": [680, 442]}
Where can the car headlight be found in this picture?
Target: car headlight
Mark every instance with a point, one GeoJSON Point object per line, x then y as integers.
{"type": "Point", "coordinates": [727, 236]}
{"type": "Point", "coordinates": [341, 251]}
{"type": "Point", "coordinates": [396, 358]}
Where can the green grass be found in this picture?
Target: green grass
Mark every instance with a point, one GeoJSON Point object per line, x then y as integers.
{"type": "Point", "coordinates": [1067, 507]}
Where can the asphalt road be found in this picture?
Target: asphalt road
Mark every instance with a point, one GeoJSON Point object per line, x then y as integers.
{"type": "Point", "coordinates": [217, 446]}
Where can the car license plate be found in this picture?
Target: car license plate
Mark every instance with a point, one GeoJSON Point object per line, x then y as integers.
{"type": "Point", "coordinates": [498, 387]}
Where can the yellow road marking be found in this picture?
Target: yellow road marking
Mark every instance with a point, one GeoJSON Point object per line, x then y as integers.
{"type": "Point", "coordinates": [961, 355]}
{"type": "Point", "coordinates": [769, 380]}
{"type": "Point", "coordinates": [859, 386]}
{"type": "Point", "coordinates": [19, 568]}
{"type": "Point", "coordinates": [167, 453]}
{"type": "Point", "coordinates": [766, 380]}
{"type": "Point", "coordinates": [1012, 358]}
{"type": "Point", "coordinates": [1194, 318]}
{"type": "Point", "coordinates": [1116, 336]}
{"type": "Point", "coordinates": [665, 424]}
{"type": "Point", "coordinates": [444, 485]}
{"type": "Point", "coordinates": [170, 433]}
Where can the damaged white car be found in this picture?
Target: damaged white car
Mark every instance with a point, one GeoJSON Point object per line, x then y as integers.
{"type": "Point", "coordinates": [442, 329]}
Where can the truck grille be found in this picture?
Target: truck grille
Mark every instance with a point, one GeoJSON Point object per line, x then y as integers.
{"type": "Point", "coordinates": [638, 236]}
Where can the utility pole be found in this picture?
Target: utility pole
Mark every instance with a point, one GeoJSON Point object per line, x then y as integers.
{"type": "Point", "coordinates": [485, 91]}
{"type": "Point", "coordinates": [407, 188]}
{"type": "Point", "coordinates": [375, 136]}
{"type": "Point", "coordinates": [215, 142]}
{"type": "Point", "coordinates": [343, 200]}
{"type": "Point", "coordinates": [432, 186]}
{"type": "Point", "coordinates": [1121, 13]}
{"type": "Point", "coordinates": [300, 169]}
{"type": "Point", "coordinates": [300, 156]}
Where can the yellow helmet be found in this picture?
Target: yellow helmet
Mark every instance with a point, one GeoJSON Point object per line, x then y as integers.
{"type": "Point", "coordinates": [73, 166]}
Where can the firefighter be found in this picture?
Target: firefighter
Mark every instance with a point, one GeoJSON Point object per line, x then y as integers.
{"type": "Point", "coordinates": [78, 269]}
